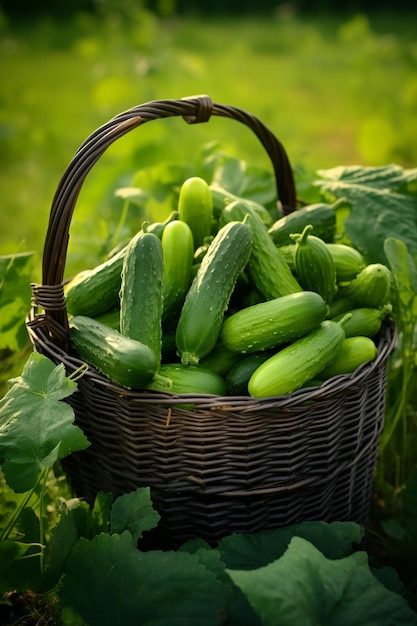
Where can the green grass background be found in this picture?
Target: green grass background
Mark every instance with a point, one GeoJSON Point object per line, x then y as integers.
{"type": "Point", "coordinates": [335, 89]}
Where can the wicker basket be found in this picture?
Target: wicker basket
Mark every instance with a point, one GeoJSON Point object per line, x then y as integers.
{"type": "Point", "coordinates": [232, 464]}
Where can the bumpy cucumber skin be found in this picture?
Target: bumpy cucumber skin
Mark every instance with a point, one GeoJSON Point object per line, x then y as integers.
{"type": "Point", "coordinates": [314, 265]}
{"type": "Point", "coordinates": [321, 216]}
{"type": "Point", "coordinates": [290, 368]}
{"type": "Point", "coordinates": [370, 288]}
{"type": "Point", "coordinates": [348, 261]}
{"type": "Point", "coordinates": [189, 379]}
{"type": "Point", "coordinates": [178, 252]}
{"type": "Point", "coordinates": [141, 292]}
{"type": "Point", "coordinates": [274, 322]}
{"type": "Point", "coordinates": [355, 351]}
{"type": "Point", "coordinates": [195, 207]}
{"type": "Point", "coordinates": [364, 321]}
{"type": "Point", "coordinates": [126, 362]}
{"type": "Point", "coordinates": [267, 267]}
{"type": "Point", "coordinates": [207, 299]}
{"type": "Point", "coordinates": [96, 291]}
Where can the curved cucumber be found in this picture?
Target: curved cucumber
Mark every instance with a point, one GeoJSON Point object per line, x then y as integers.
{"type": "Point", "coordinates": [321, 216]}
{"type": "Point", "coordinates": [290, 368]}
{"type": "Point", "coordinates": [209, 295]}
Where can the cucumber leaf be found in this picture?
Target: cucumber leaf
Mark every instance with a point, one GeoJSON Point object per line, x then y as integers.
{"type": "Point", "coordinates": [383, 203]}
{"type": "Point", "coordinates": [108, 581]}
{"type": "Point", "coordinates": [250, 551]}
{"type": "Point", "coordinates": [303, 587]}
{"type": "Point", "coordinates": [134, 512]}
{"type": "Point", "coordinates": [36, 427]}
{"type": "Point", "coordinates": [15, 296]}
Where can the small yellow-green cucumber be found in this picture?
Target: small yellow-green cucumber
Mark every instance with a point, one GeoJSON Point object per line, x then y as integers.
{"type": "Point", "coordinates": [355, 351]}
{"type": "Point", "coordinates": [178, 251]}
{"type": "Point", "coordinates": [348, 261]}
{"type": "Point", "coordinates": [195, 207]}
{"type": "Point", "coordinates": [272, 323]}
{"type": "Point", "coordinates": [207, 299]}
{"type": "Point", "coordinates": [370, 288]}
{"type": "Point", "coordinates": [364, 321]}
{"type": "Point", "coordinates": [302, 360]}
{"type": "Point", "coordinates": [188, 379]}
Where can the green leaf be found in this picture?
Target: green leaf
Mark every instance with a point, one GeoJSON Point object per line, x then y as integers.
{"type": "Point", "coordinates": [107, 581]}
{"type": "Point", "coordinates": [404, 274]}
{"type": "Point", "coordinates": [381, 206]}
{"type": "Point", "coordinates": [134, 512]}
{"type": "Point", "coordinates": [251, 551]}
{"type": "Point", "coordinates": [17, 573]}
{"type": "Point", "coordinates": [15, 297]}
{"type": "Point", "coordinates": [36, 427]}
{"type": "Point", "coordinates": [303, 587]}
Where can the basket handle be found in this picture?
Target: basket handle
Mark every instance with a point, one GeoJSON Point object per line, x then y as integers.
{"type": "Point", "coordinates": [194, 110]}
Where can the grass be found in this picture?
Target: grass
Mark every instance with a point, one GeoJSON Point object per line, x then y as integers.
{"type": "Point", "coordinates": [334, 89]}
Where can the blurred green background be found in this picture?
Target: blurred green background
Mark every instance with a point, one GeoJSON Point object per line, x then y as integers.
{"type": "Point", "coordinates": [335, 81]}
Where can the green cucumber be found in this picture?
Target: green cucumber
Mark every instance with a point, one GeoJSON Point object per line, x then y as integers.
{"type": "Point", "coordinates": [348, 261]}
{"type": "Point", "coordinates": [95, 291]}
{"type": "Point", "coordinates": [141, 291]}
{"type": "Point", "coordinates": [124, 361]}
{"type": "Point", "coordinates": [207, 299]}
{"type": "Point", "coordinates": [178, 251]}
{"type": "Point", "coordinates": [370, 288]}
{"type": "Point", "coordinates": [321, 216]}
{"type": "Point", "coordinates": [220, 359]}
{"type": "Point", "coordinates": [314, 265]}
{"type": "Point", "coordinates": [189, 379]}
{"type": "Point", "coordinates": [364, 321]}
{"type": "Point", "coordinates": [110, 318]}
{"type": "Point", "coordinates": [195, 207]}
{"type": "Point", "coordinates": [267, 267]}
{"type": "Point", "coordinates": [238, 376]}
{"type": "Point", "coordinates": [272, 323]}
{"type": "Point", "coordinates": [222, 197]}
{"type": "Point", "coordinates": [290, 368]}
{"type": "Point", "coordinates": [355, 351]}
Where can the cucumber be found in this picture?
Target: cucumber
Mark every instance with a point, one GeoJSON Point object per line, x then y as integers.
{"type": "Point", "coordinates": [207, 299]}
{"type": "Point", "coordinates": [290, 368]}
{"type": "Point", "coordinates": [348, 261]}
{"type": "Point", "coordinates": [364, 321]}
{"type": "Point", "coordinates": [126, 362]}
{"type": "Point", "coordinates": [370, 288]}
{"type": "Point", "coordinates": [110, 318]}
{"type": "Point", "coordinates": [96, 291]}
{"type": "Point", "coordinates": [238, 376]}
{"type": "Point", "coordinates": [195, 207]}
{"type": "Point", "coordinates": [272, 323]}
{"type": "Point", "coordinates": [220, 359]}
{"type": "Point", "coordinates": [355, 351]}
{"type": "Point", "coordinates": [222, 197]}
{"type": "Point", "coordinates": [189, 379]}
{"type": "Point", "coordinates": [314, 265]}
{"type": "Point", "coordinates": [267, 267]}
{"type": "Point", "coordinates": [178, 251]}
{"type": "Point", "coordinates": [141, 291]}
{"type": "Point", "coordinates": [321, 216]}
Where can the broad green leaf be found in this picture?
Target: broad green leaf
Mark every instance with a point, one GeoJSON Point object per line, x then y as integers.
{"type": "Point", "coordinates": [36, 427]}
{"type": "Point", "coordinates": [15, 297]}
{"type": "Point", "coordinates": [107, 581]}
{"type": "Point", "coordinates": [378, 210]}
{"type": "Point", "coordinates": [134, 512]}
{"type": "Point", "coordinates": [304, 588]}
{"type": "Point", "coordinates": [251, 551]}
{"type": "Point", "coordinates": [16, 570]}
{"type": "Point", "coordinates": [404, 274]}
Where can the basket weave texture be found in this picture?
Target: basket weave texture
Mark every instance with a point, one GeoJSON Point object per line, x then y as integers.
{"type": "Point", "coordinates": [231, 464]}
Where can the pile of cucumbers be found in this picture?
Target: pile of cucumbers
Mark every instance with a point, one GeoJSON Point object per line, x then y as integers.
{"type": "Point", "coordinates": [220, 299]}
